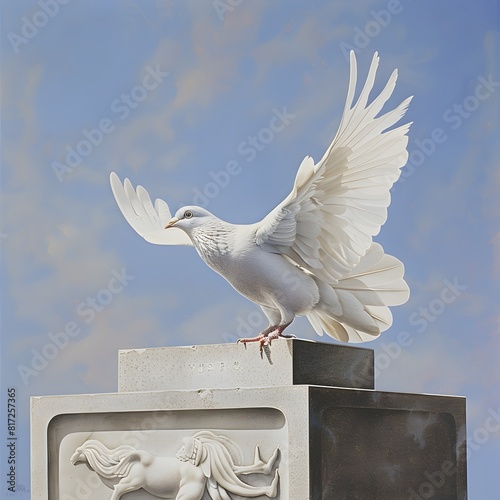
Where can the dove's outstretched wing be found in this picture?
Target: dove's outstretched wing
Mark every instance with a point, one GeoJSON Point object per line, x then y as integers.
{"type": "Point", "coordinates": [336, 206]}
{"type": "Point", "coordinates": [147, 220]}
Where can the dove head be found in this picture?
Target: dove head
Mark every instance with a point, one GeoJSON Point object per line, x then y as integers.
{"type": "Point", "coordinates": [190, 217]}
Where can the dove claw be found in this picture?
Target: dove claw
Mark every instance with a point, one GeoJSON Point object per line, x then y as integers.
{"type": "Point", "coordinates": [244, 341]}
{"type": "Point", "coordinates": [267, 336]}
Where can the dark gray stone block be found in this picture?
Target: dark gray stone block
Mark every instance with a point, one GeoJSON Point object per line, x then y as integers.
{"type": "Point", "coordinates": [386, 446]}
{"type": "Point", "coordinates": [317, 363]}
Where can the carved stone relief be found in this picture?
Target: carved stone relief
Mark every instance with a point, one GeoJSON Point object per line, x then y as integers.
{"type": "Point", "coordinates": [203, 464]}
{"type": "Point", "coordinates": [232, 455]}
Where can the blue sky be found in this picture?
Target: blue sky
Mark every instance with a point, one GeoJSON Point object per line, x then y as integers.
{"type": "Point", "coordinates": [170, 93]}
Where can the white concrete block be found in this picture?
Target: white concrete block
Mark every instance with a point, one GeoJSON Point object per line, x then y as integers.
{"type": "Point", "coordinates": [287, 362]}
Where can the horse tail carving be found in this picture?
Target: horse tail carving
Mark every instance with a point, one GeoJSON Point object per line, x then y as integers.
{"type": "Point", "coordinates": [110, 464]}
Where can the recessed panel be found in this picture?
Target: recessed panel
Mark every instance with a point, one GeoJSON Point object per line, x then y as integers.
{"type": "Point", "coordinates": [388, 454]}
{"type": "Point", "coordinates": [155, 454]}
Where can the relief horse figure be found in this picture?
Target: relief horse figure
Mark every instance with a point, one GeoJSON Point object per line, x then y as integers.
{"type": "Point", "coordinates": [204, 463]}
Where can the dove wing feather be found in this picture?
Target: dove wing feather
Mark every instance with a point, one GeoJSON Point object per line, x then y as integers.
{"type": "Point", "coordinates": [327, 222]}
{"type": "Point", "coordinates": [147, 220]}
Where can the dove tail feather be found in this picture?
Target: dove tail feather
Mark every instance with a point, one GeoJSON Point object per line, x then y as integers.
{"type": "Point", "coordinates": [356, 308]}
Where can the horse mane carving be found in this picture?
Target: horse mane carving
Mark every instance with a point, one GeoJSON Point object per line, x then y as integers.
{"type": "Point", "coordinates": [211, 453]}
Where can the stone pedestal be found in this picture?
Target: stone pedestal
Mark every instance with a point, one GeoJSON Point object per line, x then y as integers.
{"type": "Point", "coordinates": [301, 422]}
{"type": "Point", "coordinates": [226, 366]}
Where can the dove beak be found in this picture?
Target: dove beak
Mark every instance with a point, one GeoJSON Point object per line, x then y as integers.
{"type": "Point", "coordinates": [171, 222]}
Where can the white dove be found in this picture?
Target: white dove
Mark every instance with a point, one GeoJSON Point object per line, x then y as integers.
{"type": "Point", "coordinates": [313, 254]}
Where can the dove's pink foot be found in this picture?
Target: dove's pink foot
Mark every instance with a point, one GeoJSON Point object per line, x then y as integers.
{"type": "Point", "coordinates": [268, 335]}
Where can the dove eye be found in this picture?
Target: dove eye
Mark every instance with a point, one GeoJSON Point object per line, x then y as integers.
{"type": "Point", "coordinates": [188, 214]}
